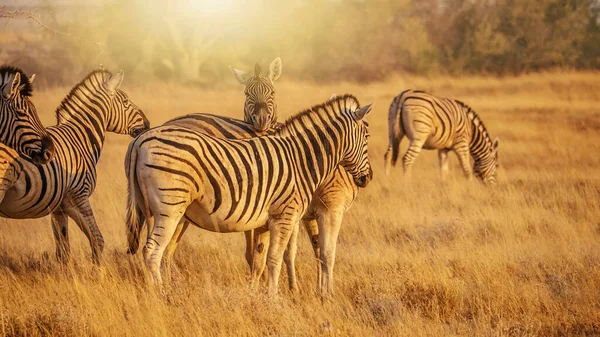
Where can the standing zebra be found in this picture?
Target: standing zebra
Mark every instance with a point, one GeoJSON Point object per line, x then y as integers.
{"type": "Point", "coordinates": [324, 215]}
{"type": "Point", "coordinates": [444, 124]}
{"type": "Point", "coordinates": [227, 185]}
{"type": "Point", "coordinates": [62, 187]}
{"type": "Point", "coordinates": [260, 108]}
{"type": "Point", "coordinates": [20, 126]}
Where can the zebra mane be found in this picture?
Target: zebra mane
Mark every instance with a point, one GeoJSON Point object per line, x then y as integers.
{"type": "Point", "coordinates": [477, 122]}
{"type": "Point", "coordinates": [25, 87]}
{"type": "Point", "coordinates": [63, 111]}
{"type": "Point", "coordinates": [331, 107]}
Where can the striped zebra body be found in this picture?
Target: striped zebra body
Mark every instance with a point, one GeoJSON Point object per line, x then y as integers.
{"type": "Point", "coordinates": [20, 127]}
{"type": "Point", "coordinates": [330, 201]}
{"type": "Point", "coordinates": [225, 185]}
{"type": "Point", "coordinates": [442, 124]}
{"type": "Point", "coordinates": [63, 186]}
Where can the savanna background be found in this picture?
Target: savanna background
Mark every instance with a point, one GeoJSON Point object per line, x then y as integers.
{"type": "Point", "coordinates": [419, 257]}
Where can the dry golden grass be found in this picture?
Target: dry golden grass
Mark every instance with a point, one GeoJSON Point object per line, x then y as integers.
{"type": "Point", "coordinates": [414, 258]}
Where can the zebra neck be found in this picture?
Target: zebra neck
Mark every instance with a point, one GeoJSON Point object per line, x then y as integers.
{"type": "Point", "coordinates": [83, 113]}
{"type": "Point", "coordinates": [316, 153]}
{"type": "Point", "coordinates": [481, 144]}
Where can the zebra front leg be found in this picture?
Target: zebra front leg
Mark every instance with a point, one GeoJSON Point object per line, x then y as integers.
{"type": "Point", "coordinates": [411, 154]}
{"type": "Point", "coordinates": [281, 230]}
{"type": "Point", "coordinates": [259, 255]}
{"type": "Point", "coordinates": [60, 228]}
{"type": "Point", "coordinates": [289, 256]}
{"type": "Point", "coordinates": [312, 229]}
{"type": "Point", "coordinates": [330, 222]}
{"type": "Point", "coordinates": [81, 211]}
{"type": "Point", "coordinates": [170, 250]}
{"type": "Point", "coordinates": [462, 151]}
{"type": "Point", "coordinates": [443, 159]}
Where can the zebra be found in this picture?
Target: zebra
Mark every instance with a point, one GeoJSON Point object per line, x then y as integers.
{"type": "Point", "coordinates": [324, 215]}
{"type": "Point", "coordinates": [227, 185]}
{"type": "Point", "coordinates": [444, 124]}
{"type": "Point", "coordinates": [20, 126]}
{"type": "Point", "coordinates": [63, 186]}
{"type": "Point", "coordinates": [260, 108]}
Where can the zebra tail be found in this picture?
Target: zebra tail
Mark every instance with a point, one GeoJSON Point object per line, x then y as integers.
{"type": "Point", "coordinates": [394, 134]}
{"type": "Point", "coordinates": [135, 215]}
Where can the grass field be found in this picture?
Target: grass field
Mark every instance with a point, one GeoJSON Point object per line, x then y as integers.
{"type": "Point", "coordinates": [416, 257]}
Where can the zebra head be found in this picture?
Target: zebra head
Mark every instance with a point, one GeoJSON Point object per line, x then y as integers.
{"type": "Point", "coordinates": [485, 168]}
{"type": "Point", "coordinates": [259, 108]}
{"type": "Point", "coordinates": [124, 116]}
{"type": "Point", "coordinates": [356, 160]}
{"type": "Point", "coordinates": [20, 126]}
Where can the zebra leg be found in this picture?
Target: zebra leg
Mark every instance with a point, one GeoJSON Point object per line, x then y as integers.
{"type": "Point", "coordinates": [312, 229]}
{"type": "Point", "coordinates": [329, 228]}
{"type": "Point", "coordinates": [81, 211]}
{"type": "Point", "coordinates": [462, 150]}
{"type": "Point", "coordinates": [165, 226]}
{"type": "Point", "coordinates": [443, 158]}
{"type": "Point", "coordinates": [60, 228]}
{"type": "Point", "coordinates": [289, 256]}
{"type": "Point", "coordinates": [280, 232]}
{"type": "Point", "coordinates": [411, 154]}
{"type": "Point", "coordinates": [170, 250]}
{"type": "Point", "coordinates": [259, 256]}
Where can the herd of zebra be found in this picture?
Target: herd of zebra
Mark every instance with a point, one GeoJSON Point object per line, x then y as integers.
{"type": "Point", "coordinates": [254, 175]}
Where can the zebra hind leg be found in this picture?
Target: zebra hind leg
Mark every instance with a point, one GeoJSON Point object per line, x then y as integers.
{"type": "Point", "coordinates": [259, 256]}
{"type": "Point", "coordinates": [60, 228]}
{"type": "Point", "coordinates": [443, 159]}
{"type": "Point", "coordinates": [411, 154]}
{"type": "Point", "coordinates": [170, 250]}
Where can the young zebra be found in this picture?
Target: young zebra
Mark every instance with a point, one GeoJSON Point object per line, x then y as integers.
{"type": "Point", "coordinates": [444, 124]}
{"type": "Point", "coordinates": [62, 187]}
{"type": "Point", "coordinates": [260, 108]}
{"type": "Point", "coordinates": [20, 126]}
{"type": "Point", "coordinates": [227, 185]}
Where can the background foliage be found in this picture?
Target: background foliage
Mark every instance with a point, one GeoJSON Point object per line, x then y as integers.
{"type": "Point", "coordinates": [193, 41]}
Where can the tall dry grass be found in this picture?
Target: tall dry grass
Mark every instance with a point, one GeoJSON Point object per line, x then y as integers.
{"type": "Point", "coordinates": [414, 258]}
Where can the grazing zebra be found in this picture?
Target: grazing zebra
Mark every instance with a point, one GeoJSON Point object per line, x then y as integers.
{"type": "Point", "coordinates": [20, 127]}
{"type": "Point", "coordinates": [62, 187]}
{"type": "Point", "coordinates": [260, 108]}
{"type": "Point", "coordinates": [444, 124]}
{"type": "Point", "coordinates": [227, 185]}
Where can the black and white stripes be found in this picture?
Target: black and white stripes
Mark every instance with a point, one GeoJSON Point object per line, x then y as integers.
{"type": "Point", "coordinates": [63, 186]}
{"type": "Point", "coordinates": [236, 185]}
{"type": "Point", "coordinates": [444, 124]}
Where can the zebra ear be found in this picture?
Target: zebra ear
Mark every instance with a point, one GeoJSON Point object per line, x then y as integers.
{"type": "Point", "coordinates": [113, 83]}
{"type": "Point", "coordinates": [333, 96]}
{"type": "Point", "coordinates": [275, 69]}
{"type": "Point", "coordinates": [361, 113]}
{"type": "Point", "coordinates": [240, 75]}
{"type": "Point", "coordinates": [13, 88]}
{"type": "Point", "coordinates": [257, 70]}
{"type": "Point", "coordinates": [31, 79]}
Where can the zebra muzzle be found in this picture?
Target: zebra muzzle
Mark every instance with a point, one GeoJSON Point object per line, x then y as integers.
{"type": "Point", "coordinates": [363, 181]}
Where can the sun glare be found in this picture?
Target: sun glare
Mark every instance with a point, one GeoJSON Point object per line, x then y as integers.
{"type": "Point", "coordinates": [214, 7]}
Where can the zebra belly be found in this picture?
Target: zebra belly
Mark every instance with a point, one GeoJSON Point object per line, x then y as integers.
{"type": "Point", "coordinates": [199, 214]}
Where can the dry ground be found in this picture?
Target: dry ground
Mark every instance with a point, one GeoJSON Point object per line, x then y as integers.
{"type": "Point", "coordinates": [414, 258]}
